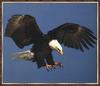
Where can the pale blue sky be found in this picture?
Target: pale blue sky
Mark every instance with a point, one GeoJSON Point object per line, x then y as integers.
{"type": "Point", "coordinates": [78, 67]}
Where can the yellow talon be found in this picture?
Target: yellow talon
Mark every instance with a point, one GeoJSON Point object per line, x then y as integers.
{"type": "Point", "coordinates": [50, 67]}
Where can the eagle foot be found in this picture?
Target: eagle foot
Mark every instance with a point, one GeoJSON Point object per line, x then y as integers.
{"type": "Point", "coordinates": [58, 64]}
{"type": "Point", "coordinates": [51, 67]}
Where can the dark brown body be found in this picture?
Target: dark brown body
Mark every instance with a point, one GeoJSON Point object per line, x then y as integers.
{"type": "Point", "coordinates": [42, 53]}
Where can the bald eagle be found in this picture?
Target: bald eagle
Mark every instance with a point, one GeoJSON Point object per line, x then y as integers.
{"type": "Point", "coordinates": [24, 30]}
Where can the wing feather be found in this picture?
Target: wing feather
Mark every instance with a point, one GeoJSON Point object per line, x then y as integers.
{"type": "Point", "coordinates": [23, 29]}
{"type": "Point", "coordinates": [73, 36]}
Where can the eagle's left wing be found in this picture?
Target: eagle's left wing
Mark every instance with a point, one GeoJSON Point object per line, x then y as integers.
{"type": "Point", "coordinates": [23, 29]}
{"type": "Point", "coordinates": [73, 36]}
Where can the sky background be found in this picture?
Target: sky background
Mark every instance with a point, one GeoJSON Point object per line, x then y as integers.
{"type": "Point", "coordinates": [78, 67]}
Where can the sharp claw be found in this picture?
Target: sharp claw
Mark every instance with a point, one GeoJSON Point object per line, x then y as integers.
{"type": "Point", "coordinates": [54, 67]}
{"type": "Point", "coordinates": [51, 67]}
{"type": "Point", "coordinates": [61, 65]}
{"type": "Point", "coordinates": [47, 69]}
{"type": "Point", "coordinates": [58, 64]}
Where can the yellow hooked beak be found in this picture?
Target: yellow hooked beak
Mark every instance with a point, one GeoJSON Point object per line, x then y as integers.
{"type": "Point", "coordinates": [59, 51]}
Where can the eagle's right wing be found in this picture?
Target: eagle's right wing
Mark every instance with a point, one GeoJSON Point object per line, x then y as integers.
{"type": "Point", "coordinates": [23, 29]}
{"type": "Point", "coordinates": [73, 36]}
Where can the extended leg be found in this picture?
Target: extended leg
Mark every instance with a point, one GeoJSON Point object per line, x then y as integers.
{"type": "Point", "coordinates": [50, 60]}
{"type": "Point", "coordinates": [51, 64]}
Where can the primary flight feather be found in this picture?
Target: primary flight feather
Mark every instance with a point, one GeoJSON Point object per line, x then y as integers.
{"type": "Point", "coordinates": [24, 30]}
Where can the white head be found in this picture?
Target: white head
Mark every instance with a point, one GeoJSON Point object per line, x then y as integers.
{"type": "Point", "coordinates": [54, 44]}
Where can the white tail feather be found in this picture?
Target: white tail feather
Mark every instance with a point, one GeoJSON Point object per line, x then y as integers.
{"type": "Point", "coordinates": [26, 55]}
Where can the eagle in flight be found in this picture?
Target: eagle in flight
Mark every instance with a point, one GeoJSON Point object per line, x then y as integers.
{"type": "Point", "coordinates": [24, 30]}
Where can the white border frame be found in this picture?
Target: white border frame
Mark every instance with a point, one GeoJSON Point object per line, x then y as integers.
{"type": "Point", "coordinates": [96, 2]}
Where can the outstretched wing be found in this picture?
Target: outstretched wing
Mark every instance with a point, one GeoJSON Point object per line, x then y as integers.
{"type": "Point", "coordinates": [73, 36]}
{"type": "Point", "coordinates": [23, 29]}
